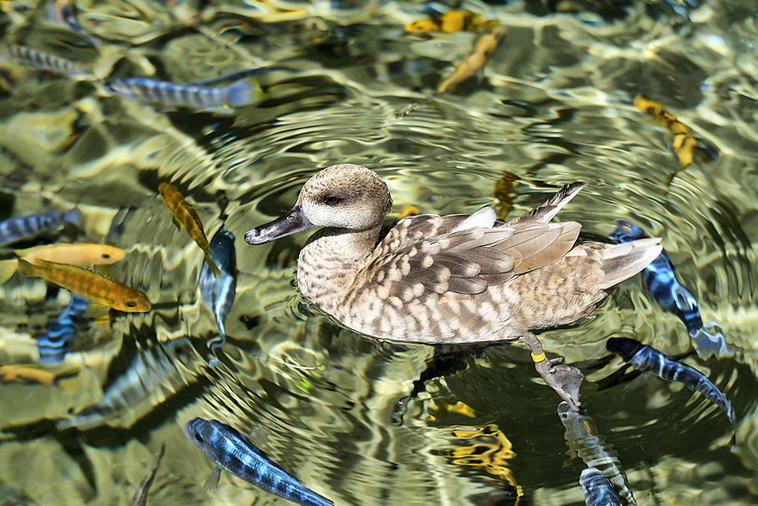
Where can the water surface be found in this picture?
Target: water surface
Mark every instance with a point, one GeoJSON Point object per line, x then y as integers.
{"type": "Point", "coordinates": [343, 82]}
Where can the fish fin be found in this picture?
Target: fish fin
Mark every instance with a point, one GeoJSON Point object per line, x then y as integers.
{"type": "Point", "coordinates": [60, 380]}
{"type": "Point", "coordinates": [258, 437]}
{"type": "Point", "coordinates": [96, 311]}
{"type": "Point", "coordinates": [177, 223]}
{"type": "Point", "coordinates": [244, 92]}
{"type": "Point", "coordinates": [212, 481]}
{"type": "Point", "coordinates": [214, 344]}
{"type": "Point", "coordinates": [72, 216]}
{"type": "Point", "coordinates": [7, 269]}
{"type": "Point", "coordinates": [26, 268]}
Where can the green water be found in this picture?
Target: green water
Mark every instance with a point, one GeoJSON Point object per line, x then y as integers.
{"type": "Point", "coordinates": [346, 83]}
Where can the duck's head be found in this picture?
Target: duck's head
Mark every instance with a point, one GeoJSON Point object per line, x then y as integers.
{"type": "Point", "coordinates": [341, 196]}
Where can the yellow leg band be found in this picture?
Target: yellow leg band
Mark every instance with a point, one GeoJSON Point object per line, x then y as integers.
{"type": "Point", "coordinates": [539, 358]}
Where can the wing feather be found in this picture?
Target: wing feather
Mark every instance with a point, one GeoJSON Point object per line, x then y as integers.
{"type": "Point", "coordinates": [433, 254]}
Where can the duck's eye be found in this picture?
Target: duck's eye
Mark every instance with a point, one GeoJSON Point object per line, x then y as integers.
{"type": "Point", "coordinates": [332, 200]}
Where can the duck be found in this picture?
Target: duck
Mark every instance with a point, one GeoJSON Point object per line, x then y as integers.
{"type": "Point", "coordinates": [451, 279]}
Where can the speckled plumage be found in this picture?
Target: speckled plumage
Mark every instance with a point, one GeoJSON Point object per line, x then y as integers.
{"type": "Point", "coordinates": [447, 279]}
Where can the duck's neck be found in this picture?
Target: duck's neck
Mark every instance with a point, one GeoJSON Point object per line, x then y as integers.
{"type": "Point", "coordinates": [329, 262]}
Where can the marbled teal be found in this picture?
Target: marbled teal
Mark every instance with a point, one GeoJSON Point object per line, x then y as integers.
{"type": "Point", "coordinates": [450, 279]}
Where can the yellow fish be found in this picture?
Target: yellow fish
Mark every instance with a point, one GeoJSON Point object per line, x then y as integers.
{"type": "Point", "coordinates": [450, 22]}
{"type": "Point", "coordinates": [684, 142]}
{"type": "Point", "coordinates": [503, 189]}
{"type": "Point", "coordinates": [408, 211]}
{"type": "Point", "coordinates": [23, 374]}
{"type": "Point", "coordinates": [77, 254]}
{"type": "Point", "coordinates": [460, 407]}
{"type": "Point", "coordinates": [97, 287]}
{"type": "Point", "coordinates": [489, 450]}
{"type": "Point", "coordinates": [186, 215]}
{"type": "Point", "coordinates": [484, 48]}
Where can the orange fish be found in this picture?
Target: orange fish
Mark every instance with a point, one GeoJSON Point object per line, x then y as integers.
{"type": "Point", "coordinates": [97, 287]}
{"type": "Point", "coordinates": [408, 211]}
{"type": "Point", "coordinates": [186, 215]}
{"type": "Point", "coordinates": [503, 189]}
{"type": "Point", "coordinates": [450, 22]}
{"type": "Point", "coordinates": [685, 143]}
{"type": "Point", "coordinates": [484, 48]}
{"type": "Point", "coordinates": [22, 374]}
{"type": "Point", "coordinates": [77, 254]}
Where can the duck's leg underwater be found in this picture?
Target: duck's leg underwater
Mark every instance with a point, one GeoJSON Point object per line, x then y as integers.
{"type": "Point", "coordinates": [564, 379]}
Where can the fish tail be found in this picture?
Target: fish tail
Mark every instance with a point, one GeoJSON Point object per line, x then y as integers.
{"type": "Point", "coordinates": [7, 269]}
{"type": "Point", "coordinates": [732, 420]}
{"type": "Point", "coordinates": [26, 268]}
{"type": "Point", "coordinates": [710, 342]}
{"type": "Point", "coordinates": [214, 344]}
{"type": "Point", "coordinates": [72, 216]}
{"type": "Point", "coordinates": [64, 375]}
{"type": "Point", "coordinates": [706, 152]}
{"type": "Point", "coordinates": [243, 92]}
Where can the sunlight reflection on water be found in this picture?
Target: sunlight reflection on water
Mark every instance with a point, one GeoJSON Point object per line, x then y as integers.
{"type": "Point", "coordinates": [345, 83]}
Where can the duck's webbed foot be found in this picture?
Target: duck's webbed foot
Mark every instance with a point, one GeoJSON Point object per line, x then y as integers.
{"type": "Point", "coordinates": [564, 379]}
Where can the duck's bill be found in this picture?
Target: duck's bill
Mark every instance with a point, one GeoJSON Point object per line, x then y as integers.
{"type": "Point", "coordinates": [291, 222]}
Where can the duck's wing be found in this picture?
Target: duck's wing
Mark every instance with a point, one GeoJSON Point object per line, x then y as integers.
{"type": "Point", "coordinates": [546, 211]}
{"type": "Point", "coordinates": [464, 261]}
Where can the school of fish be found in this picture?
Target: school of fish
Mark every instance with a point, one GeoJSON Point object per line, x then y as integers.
{"type": "Point", "coordinates": [72, 267]}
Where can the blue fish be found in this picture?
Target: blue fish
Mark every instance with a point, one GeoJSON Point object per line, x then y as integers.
{"type": "Point", "coordinates": [597, 489]}
{"type": "Point", "coordinates": [218, 292]}
{"type": "Point", "coordinates": [660, 279]}
{"type": "Point", "coordinates": [647, 359]}
{"type": "Point", "coordinates": [236, 94]}
{"type": "Point", "coordinates": [152, 376]}
{"type": "Point", "coordinates": [63, 12]}
{"type": "Point", "coordinates": [39, 60]}
{"type": "Point", "coordinates": [232, 451]}
{"type": "Point", "coordinates": [20, 228]}
{"type": "Point", "coordinates": [61, 331]}
{"type": "Point", "coordinates": [582, 437]}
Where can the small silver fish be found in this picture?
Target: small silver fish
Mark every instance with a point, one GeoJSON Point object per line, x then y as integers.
{"type": "Point", "coordinates": [582, 437]}
{"type": "Point", "coordinates": [19, 228]}
{"type": "Point", "coordinates": [233, 452]}
{"type": "Point", "coordinates": [39, 60]}
{"type": "Point", "coordinates": [218, 292]}
{"type": "Point", "coordinates": [597, 489]}
{"type": "Point", "coordinates": [236, 94]}
{"type": "Point", "coordinates": [648, 359]}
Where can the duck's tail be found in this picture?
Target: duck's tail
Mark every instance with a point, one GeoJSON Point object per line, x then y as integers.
{"type": "Point", "coordinates": [622, 261]}
{"type": "Point", "coordinates": [546, 211]}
